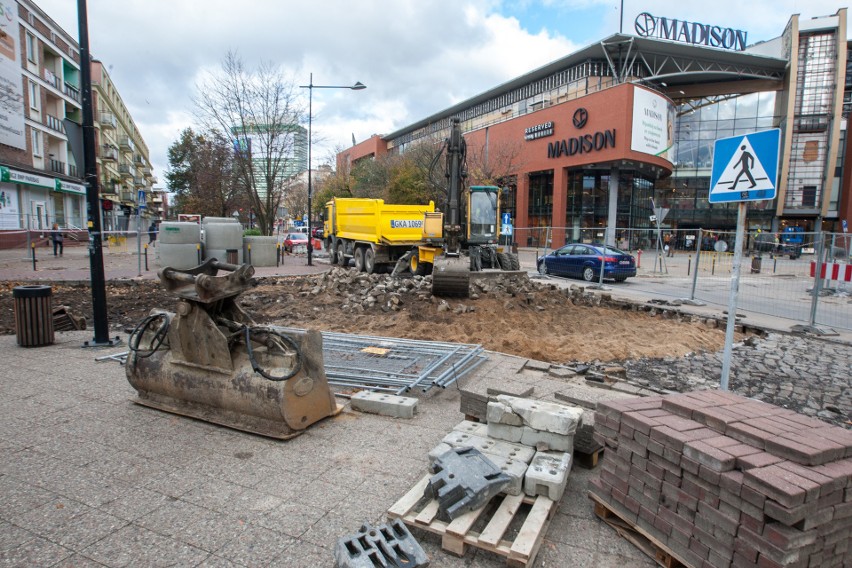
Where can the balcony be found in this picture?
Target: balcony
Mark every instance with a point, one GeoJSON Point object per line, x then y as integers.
{"type": "Point", "coordinates": [54, 123]}
{"type": "Point", "coordinates": [107, 120]}
{"type": "Point", "coordinates": [147, 172]}
{"type": "Point", "coordinates": [126, 144]}
{"type": "Point", "coordinates": [56, 166]}
{"type": "Point", "coordinates": [139, 181]}
{"type": "Point", "coordinates": [73, 171]}
{"type": "Point", "coordinates": [109, 186]}
{"type": "Point", "coordinates": [125, 171]}
{"type": "Point", "coordinates": [108, 153]}
{"type": "Point", "coordinates": [127, 195]}
{"type": "Point", "coordinates": [72, 92]}
{"type": "Point", "coordinates": [51, 79]}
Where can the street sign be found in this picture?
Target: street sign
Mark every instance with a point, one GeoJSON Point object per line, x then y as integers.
{"type": "Point", "coordinates": [845, 226]}
{"type": "Point", "coordinates": [653, 218]}
{"type": "Point", "coordinates": [745, 168]}
{"type": "Point", "coordinates": [507, 218]}
{"type": "Point", "coordinates": [141, 199]}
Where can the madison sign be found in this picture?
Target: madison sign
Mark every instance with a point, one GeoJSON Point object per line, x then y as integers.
{"type": "Point", "coordinates": [690, 32]}
{"type": "Point", "coordinates": [584, 143]}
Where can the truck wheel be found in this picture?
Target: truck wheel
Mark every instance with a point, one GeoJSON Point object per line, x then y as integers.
{"type": "Point", "coordinates": [369, 261]}
{"type": "Point", "coordinates": [341, 256]}
{"type": "Point", "coordinates": [334, 253]}
{"type": "Point", "coordinates": [415, 266]}
{"type": "Point", "coordinates": [359, 259]}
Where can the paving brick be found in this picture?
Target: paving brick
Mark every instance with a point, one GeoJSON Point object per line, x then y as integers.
{"type": "Point", "coordinates": [639, 420]}
{"type": "Point", "coordinates": [748, 434]}
{"type": "Point", "coordinates": [788, 515]}
{"type": "Point", "coordinates": [788, 538]}
{"type": "Point", "coordinates": [804, 448]}
{"type": "Point", "coordinates": [732, 481]}
{"type": "Point", "coordinates": [764, 548]}
{"type": "Point", "coordinates": [719, 519]}
{"type": "Point", "coordinates": [774, 482]}
{"type": "Point", "coordinates": [717, 418]}
{"type": "Point", "coordinates": [689, 464]}
{"type": "Point", "coordinates": [758, 459]}
{"type": "Point", "coordinates": [713, 457]}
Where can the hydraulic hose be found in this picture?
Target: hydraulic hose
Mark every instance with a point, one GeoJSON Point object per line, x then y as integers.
{"type": "Point", "coordinates": [156, 341]}
{"type": "Point", "coordinates": [249, 331]}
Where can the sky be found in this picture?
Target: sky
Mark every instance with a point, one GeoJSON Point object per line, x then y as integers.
{"type": "Point", "coordinates": [415, 57]}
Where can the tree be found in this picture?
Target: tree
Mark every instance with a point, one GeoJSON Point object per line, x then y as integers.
{"type": "Point", "coordinates": [259, 111]}
{"type": "Point", "coordinates": [494, 163]}
{"type": "Point", "coordinates": [200, 174]}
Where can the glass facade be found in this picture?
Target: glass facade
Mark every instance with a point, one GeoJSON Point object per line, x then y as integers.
{"type": "Point", "coordinates": [699, 124]}
{"type": "Point", "coordinates": [540, 208]}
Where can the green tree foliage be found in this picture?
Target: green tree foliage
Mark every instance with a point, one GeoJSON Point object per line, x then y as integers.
{"type": "Point", "coordinates": [407, 184]}
{"type": "Point", "coordinates": [200, 174]}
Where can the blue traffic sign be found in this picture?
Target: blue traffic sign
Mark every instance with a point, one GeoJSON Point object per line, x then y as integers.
{"type": "Point", "coordinates": [507, 218]}
{"type": "Point", "coordinates": [745, 168]}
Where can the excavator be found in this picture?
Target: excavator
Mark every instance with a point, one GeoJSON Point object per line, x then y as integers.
{"type": "Point", "coordinates": [463, 237]}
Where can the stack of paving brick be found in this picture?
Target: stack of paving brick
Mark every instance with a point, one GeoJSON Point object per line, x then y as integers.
{"type": "Point", "coordinates": [721, 480]}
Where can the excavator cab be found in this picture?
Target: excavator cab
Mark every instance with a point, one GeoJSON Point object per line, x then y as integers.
{"type": "Point", "coordinates": [483, 226]}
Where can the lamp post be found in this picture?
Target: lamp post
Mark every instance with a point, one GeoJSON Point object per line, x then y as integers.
{"type": "Point", "coordinates": [310, 87]}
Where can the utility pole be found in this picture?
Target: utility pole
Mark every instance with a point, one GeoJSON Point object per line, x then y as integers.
{"type": "Point", "coordinates": [90, 175]}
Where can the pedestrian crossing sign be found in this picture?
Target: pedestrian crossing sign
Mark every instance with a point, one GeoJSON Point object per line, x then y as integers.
{"type": "Point", "coordinates": [745, 168]}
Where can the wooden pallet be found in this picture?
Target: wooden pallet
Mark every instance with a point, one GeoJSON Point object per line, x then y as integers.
{"type": "Point", "coordinates": [645, 542]}
{"type": "Point", "coordinates": [456, 535]}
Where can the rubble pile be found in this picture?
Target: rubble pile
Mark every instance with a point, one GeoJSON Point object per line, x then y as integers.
{"type": "Point", "coordinates": [361, 292]}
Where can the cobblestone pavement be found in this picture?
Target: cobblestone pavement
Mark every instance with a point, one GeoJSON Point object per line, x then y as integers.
{"type": "Point", "coordinates": [807, 374]}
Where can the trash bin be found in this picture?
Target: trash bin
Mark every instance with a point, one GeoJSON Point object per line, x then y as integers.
{"type": "Point", "coordinates": [755, 264]}
{"type": "Point", "coordinates": [33, 315]}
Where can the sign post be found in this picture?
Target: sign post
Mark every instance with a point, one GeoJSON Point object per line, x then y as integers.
{"type": "Point", "coordinates": [745, 168]}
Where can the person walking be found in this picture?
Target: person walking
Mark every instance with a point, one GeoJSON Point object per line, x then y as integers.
{"type": "Point", "coordinates": [58, 239]}
{"type": "Point", "coordinates": [152, 233]}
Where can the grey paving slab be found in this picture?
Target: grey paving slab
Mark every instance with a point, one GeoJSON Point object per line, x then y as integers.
{"type": "Point", "coordinates": [133, 545]}
{"type": "Point", "coordinates": [35, 552]}
{"type": "Point", "coordinates": [255, 546]}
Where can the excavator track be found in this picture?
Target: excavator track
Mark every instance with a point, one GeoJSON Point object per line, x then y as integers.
{"type": "Point", "coordinates": [451, 277]}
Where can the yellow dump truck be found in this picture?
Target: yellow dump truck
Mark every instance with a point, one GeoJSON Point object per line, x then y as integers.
{"type": "Point", "coordinates": [373, 233]}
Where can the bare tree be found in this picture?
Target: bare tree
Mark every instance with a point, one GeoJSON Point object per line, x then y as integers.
{"type": "Point", "coordinates": [494, 163]}
{"type": "Point", "coordinates": [260, 111]}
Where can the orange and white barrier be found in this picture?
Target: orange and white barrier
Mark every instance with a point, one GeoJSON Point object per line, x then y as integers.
{"type": "Point", "coordinates": [834, 271]}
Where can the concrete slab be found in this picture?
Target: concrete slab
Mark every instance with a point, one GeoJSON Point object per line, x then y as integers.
{"type": "Point", "coordinates": [384, 404]}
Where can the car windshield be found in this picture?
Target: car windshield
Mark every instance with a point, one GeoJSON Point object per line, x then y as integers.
{"type": "Point", "coordinates": [298, 237]}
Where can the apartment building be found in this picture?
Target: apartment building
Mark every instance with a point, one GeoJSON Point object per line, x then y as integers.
{"type": "Point", "coordinates": [124, 167]}
{"type": "Point", "coordinates": [40, 82]}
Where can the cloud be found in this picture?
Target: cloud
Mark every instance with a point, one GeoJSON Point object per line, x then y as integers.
{"type": "Point", "coordinates": [416, 58]}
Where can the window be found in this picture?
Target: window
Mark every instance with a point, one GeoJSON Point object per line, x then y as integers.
{"type": "Point", "coordinates": [34, 96]}
{"type": "Point", "coordinates": [36, 143]}
{"type": "Point", "coordinates": [809, 193]}
{"type": "Point", "coordinates": [31, 48]}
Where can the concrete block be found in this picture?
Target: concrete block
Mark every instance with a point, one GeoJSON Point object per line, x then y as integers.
{"type": "Point", "coordinates": [490, 446]}
{"type": "Point", "coordinates": [384, 404]}
{"type": "Point", "coordinates": [470, 427]}
{"type": "Point", "coordinates": [538, 439]}
{"type": "Point", "coordinates": [499, 413]}
{"type": "Point", "coordinates": [544, 416]}
{"type": "Point", "coordinates": [504, 432]}
{"type": "Point", "coordinates": [548, 474]}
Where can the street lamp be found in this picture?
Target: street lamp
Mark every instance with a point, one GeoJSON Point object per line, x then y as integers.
{"type": "Point", "coordinates": [310, 87]}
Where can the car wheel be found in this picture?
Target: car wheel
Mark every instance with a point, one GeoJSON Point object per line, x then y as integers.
{"type": "Point", "coordinates": [588, 274]}
{"type": "Point", "coordinates": [359, 259]}
{"type": "Point", "coordinates": [542, 268]}
{"type": "Point", "coordinates": [369, 261]}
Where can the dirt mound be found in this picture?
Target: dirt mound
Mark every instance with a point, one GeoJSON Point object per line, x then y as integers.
{"type": "Point", "coordinates": [510, 314]}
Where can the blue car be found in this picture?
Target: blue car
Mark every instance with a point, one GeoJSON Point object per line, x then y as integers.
{"type": "Point", "coordinates": [580, 260]}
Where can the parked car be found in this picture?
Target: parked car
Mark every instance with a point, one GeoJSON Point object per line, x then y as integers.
{"type": "Point", "coordinates": [294, 240]}
{"type": "Point", "coordinates": [319, 232]}
{"type": "Point", "coordinates": [580, 260]}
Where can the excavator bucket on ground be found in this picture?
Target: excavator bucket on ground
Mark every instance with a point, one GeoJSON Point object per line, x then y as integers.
{"type": "Point", "coordinates": [208, 360]}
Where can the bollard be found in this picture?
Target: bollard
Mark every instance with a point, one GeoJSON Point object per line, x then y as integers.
{"type": "Point", "coordinates": [639, 258]}
{"type": "Point", "coordinates": [248, 251]}
{"type": "Point", "coordinates": [774, 264]}
{"type": "Point", "coordinates": [146, 258]}
{"type": "Point", "coordinates": [33, 315]}
{"type": "Point", "coordinates": [34, 258]}
{"type": "Point", "coordinates": [688, 265]}
{"type": "Point", "coordinates": [278, 254]}
{"type": "Point", "coordinates": [713, 266]}
{"type": "Point", "coordinates": [198, 252]}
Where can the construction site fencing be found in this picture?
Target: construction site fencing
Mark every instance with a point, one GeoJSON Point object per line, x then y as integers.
{"type": "Point", "coordinates": [778, 274]}
{"type": "Point", "coordinates": [26, 231]}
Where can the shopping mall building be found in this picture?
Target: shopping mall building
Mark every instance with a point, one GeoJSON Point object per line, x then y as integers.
{"type": "Point", "coordinates": [603, 133]}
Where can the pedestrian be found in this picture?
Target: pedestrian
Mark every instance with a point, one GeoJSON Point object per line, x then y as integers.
{"type": "Point", "coordinates": [152, 233]}
{"type": "Point", "coordinates": [58, 239]}
{"type": "Point", "coordinates": [667, 244]}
